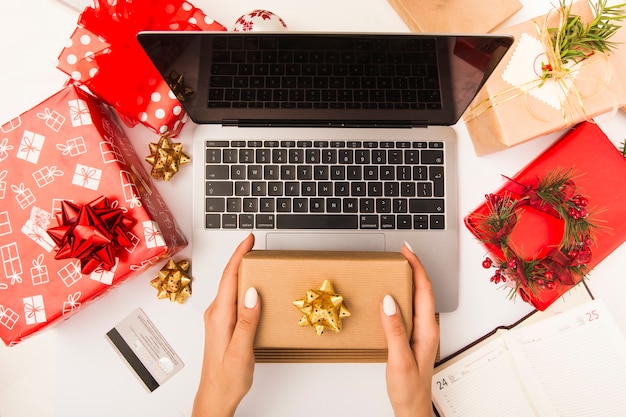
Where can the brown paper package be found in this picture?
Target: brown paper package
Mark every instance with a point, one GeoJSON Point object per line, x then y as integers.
{"type": "Point", "coordinates": [456, 16]}
{"type": "Point", "coordinates": [509, 123]}
{"type": "Point", "coordinates": [362, 278]}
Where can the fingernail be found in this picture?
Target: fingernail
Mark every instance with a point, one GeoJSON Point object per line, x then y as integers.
{"type": "Point", "coordinates": [408, 246]}
{"type": "Point", "coordinates": [251, 298]}
{"type": "Point", "coordinates": [389, 305]}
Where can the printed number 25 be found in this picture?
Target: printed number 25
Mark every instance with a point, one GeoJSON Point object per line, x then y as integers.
{"type": "Point", "coordinates": [592, 315]}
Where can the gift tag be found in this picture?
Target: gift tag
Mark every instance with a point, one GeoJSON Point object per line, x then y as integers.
{"type": "Point", "coordinates": [145, 350]}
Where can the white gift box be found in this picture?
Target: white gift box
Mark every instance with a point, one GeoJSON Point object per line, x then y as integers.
{"type": "Point", "coordinates": [5, 148]}
{"type": "Point", "coordinates": [24, 196]}
{"type": "Point", "coordinates": [39, 271]}
{"type": "Point", "coordinates": [8, 317]}
{"type": "Point", "coordinates": [54, 120]}
{"type": "Point", "coordinates": [70, 274]}
{"type": "Point", "coordinates": [30, 146]}
{"type": "Point", "coordinates": [72, 304]}
{"type": "Point", "coordinates": [38, 235]}
{"type": "Point", "coordinates": [87, 177]}
{"type": "Point", "coordinates": [131, 193]}
{"type": "Point", "coordinates": [152, 234]}
{"type": "Point", "coordinates": [3, 183]}
{"type": "Point", "coordinates": [45, 175]}
{"type": "Point", "coordinates": [11, 125]}
{"type": "Point", "coordinates": [73, 147]}
{"type": "Point", "coordinates": [103, 276]}
{"type": "Point", "coordinates": [11, 262]}
{"type": "Point", "coordinates": [79, 112]}
{"type": "Point", "coordinates": [5, 223]}
{"type": "Point", "coordinates": [34, 309]}
{"type": "Point", "coordinates": [111, 153]}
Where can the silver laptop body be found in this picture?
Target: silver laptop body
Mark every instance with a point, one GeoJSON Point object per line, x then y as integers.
{"type": "Point", "coordinates": [324, 141]}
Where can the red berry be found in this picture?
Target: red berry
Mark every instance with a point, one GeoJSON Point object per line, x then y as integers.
{"type": "Point", "coordinates": [511, 264]}
{"type": "Point", "coordinates": [487, 263]}
{"type": "Point", "coordinates": [548, 275]}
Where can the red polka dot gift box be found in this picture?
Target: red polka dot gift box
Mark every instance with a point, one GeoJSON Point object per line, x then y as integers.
{"type": "Point", "coordinates": [104, 55]}
{"type": "Point", "coordinates": [78, 213]}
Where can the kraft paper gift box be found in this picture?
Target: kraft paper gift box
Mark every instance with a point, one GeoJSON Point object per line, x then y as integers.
{"type": "Point", "coordinates": [512, 108]}
{"type": "Point", "coordinates": [70, 148]}
{"type": "Point", "coordinates": [598, 171]}
{"type": "Point", "coordinates": [456, 16]}
{"type": "Point", "coordinates": [361, 278]}
{"type": "Point", "coordinates": [104, 55]}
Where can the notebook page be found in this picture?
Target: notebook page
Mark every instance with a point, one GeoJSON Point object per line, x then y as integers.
{"type": "Point", "coordinates": [484, 383]}
{"type": "Point", "coordinates": [575, 361]}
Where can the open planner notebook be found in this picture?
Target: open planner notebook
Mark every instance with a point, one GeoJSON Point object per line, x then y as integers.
{"type": "Point", "coordinates": [571, 364]}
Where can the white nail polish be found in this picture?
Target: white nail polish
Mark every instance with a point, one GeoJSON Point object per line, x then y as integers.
{"type": "Point", "coordinates": [251, 298]}
{"type": "Point", "coordinates": [408, 246]}
{"type": "Point", "coordinates": [389, 305]}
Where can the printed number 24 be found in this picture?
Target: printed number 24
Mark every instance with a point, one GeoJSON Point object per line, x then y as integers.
{"type": "Point", "coordinates": [442, 384]}
{"type": "Point", "coordinates": [592, 315]}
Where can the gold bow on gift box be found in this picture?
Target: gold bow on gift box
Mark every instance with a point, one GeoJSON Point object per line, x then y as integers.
{"type": "Point", "coordinates": [173, 281]}
{"type": "Point", "coordinates": [322, 309]}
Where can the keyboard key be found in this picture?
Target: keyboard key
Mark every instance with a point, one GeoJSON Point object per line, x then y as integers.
{"type": "Point", "coordinates": [437, 222]}
{"type": "Point", "coordinates": [215, 205]}
{"type": "Point", "coordinates": [317, 221]}
{"type": "Point", "coordinates": [426, 205]}
{"type": "Point", "coordinates": [219, 188]}
{"type": "Point", "coordinates": [217, 172]}
{"type": "Point", "coordinates": [432, 157]}
{"type": "Point", "coordinates": [212, 221]}
{"type": "Point", "coordinates": [265, 221]}
{"type": "Point", "coordinates": [368, 222]}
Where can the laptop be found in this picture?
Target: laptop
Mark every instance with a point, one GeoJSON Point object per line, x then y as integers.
{"type": "Point", "coordinates": [326, 141]}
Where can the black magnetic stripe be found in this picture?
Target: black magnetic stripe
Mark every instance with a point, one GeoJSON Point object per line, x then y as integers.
{"type": "Point", "coordinates": [132, 359]}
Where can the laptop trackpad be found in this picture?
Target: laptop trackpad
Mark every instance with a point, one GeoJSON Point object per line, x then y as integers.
{"type": "Point", "coordinates": [362, 242]}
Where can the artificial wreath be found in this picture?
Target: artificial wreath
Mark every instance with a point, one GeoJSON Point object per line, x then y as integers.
{"type": "Point", "coordinates": [557, 195]}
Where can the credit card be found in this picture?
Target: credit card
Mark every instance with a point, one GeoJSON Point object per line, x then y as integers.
{"type": "Point", "coordinates": [145, 350]}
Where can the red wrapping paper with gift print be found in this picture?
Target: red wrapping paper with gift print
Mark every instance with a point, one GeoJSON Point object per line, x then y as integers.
{"type": "Point", "coordinates": [104, 55]}
{"type": "Point", "coordinates": [598, 169]}
{"type": "Point", "coordinates": [70, 151]}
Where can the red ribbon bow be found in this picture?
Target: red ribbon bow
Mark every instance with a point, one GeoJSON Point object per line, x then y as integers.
{"type": "Point", "coordinates": [124, 70]}
{"type": "Point", "coordinates": [91, 233]}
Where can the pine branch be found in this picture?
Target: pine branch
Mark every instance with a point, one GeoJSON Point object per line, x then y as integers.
{"type": "Point", "coordinates": [577, 40]}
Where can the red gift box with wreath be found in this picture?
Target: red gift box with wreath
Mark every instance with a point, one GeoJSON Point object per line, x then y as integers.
{"type": "Point", "coordinates": [104, 55]}
{"type": "Point", "coordinates": [78, 213]}
{"type": "Point", "coordinates": [556, 219]}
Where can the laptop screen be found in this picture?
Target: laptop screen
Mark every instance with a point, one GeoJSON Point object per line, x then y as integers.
{"type": "Point", "coordinates": [324, 79]}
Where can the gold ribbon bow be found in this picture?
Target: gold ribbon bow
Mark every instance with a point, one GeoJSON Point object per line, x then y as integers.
{"type": "Point", "coordinates": [322, 309]}
{"type": "Point", "coordinates": [173, 281]}
{"type": "Point", "coordinates": [166, 158]}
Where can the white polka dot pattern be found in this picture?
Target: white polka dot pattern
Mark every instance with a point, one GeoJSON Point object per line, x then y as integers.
{"type": "Point", "coordinates": [137, 92]}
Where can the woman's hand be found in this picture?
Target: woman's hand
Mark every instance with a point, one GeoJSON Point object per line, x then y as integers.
{"type": "Point", "coordinates": [228, 363]}
{"type": "Point", "coordinates": [411, 358]}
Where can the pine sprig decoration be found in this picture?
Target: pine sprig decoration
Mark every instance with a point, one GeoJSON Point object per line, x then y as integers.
{"type": "Point", "coordinates": [556, 194]}
{"type": "Point", "coordinates": [577, 41]}
{"type": "Point", "coordinates": [623, 149]}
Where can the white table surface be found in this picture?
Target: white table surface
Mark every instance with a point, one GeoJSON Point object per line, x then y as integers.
{"type": "Point", "coordinates": [71, 370]}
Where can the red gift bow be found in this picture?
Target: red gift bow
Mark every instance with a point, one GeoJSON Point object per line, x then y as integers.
{"type": "Point", "coordinates": [124, 70]}
{"type": "Point", "coordinates": [91, 233]}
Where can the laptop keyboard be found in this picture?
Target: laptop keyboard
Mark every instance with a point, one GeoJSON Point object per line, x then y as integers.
{"type": "Point", "coordinates": [324, 185]}
{"type": "Point", "coordinates": [324, 73]}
